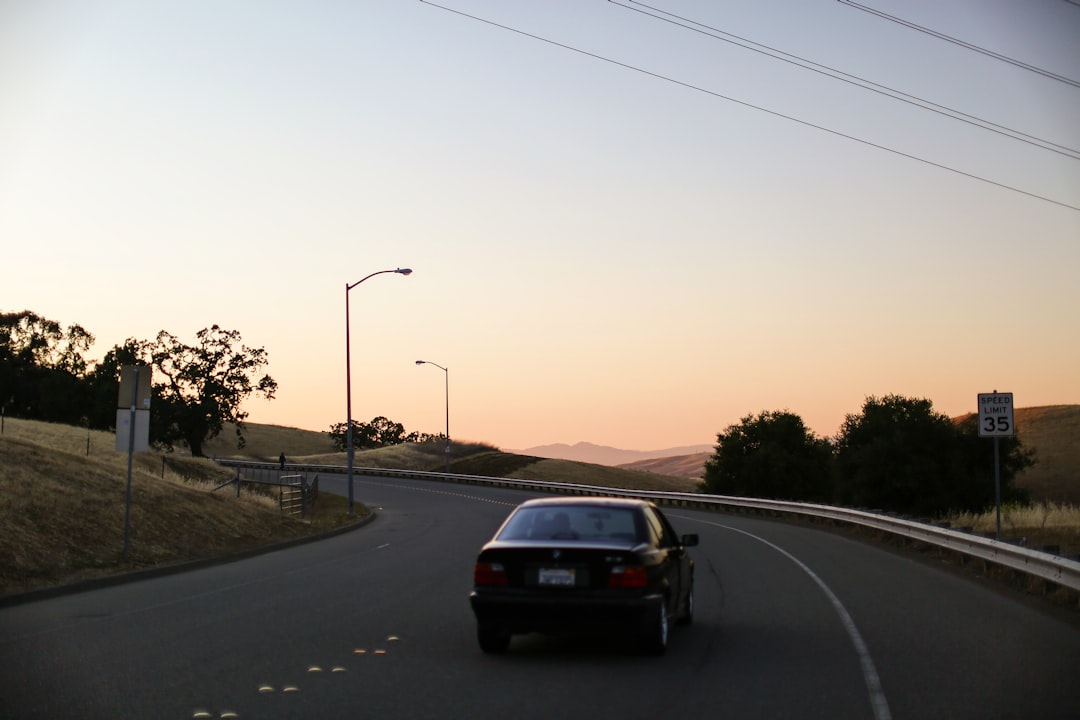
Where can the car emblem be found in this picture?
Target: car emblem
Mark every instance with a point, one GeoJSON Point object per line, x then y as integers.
{"type": "Point", "coordinates": [556, 554]}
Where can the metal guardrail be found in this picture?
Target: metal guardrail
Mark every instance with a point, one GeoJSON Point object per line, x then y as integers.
{"type": "Point", "coordinates": [1047, 566]}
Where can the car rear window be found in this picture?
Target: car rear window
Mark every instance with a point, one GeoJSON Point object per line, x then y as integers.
{"type": "Point", "coordinates": [574, 522]}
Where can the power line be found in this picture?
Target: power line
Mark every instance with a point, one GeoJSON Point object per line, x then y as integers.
{"type": "Point", "coordinates": [961, 43]}
{"type": "Point", "coordinates": [775, 113]}
{"type": "Point", "coordinates": [842, 76]}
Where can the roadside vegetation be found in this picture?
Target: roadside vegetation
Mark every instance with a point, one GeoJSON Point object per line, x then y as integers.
{"type": "Point", "coordinates": [196, 389]}
{"type": "Point", "coordinates": [899, 456]}
{"type": "Point", "coordinates": [896, 455]}
{"type": "Point", "coordinates": [1046, 525]}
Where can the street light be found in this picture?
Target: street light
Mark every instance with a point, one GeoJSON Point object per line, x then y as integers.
{"type": "Point", "coordinates": [446, 372]}
{"type": "Point", "coordinates": [348, 378]}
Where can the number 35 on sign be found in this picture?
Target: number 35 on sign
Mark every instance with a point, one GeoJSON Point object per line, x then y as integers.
{"type": "Point", "coordinates": [996, 415]}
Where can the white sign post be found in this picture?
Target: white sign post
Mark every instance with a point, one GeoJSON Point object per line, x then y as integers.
{"type": "Point", "coordinates": [132, 425]}
{"type": "Point", "coordinates": [996, 421]}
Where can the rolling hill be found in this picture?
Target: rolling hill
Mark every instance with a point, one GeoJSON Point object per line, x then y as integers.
{"type": "Point", "coordinates": [606, 455]}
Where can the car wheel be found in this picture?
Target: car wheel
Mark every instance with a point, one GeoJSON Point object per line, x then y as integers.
{"type": "Point", "coordinates": [654, 639]}
{"type": "Point", "coordinates": [688, 608]}
{"type": "Point", "coordinates": [492, 639]}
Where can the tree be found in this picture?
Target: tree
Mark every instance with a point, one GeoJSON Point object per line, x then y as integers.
{"type": "Point", "coordinates": [380, 432]}
{"type": "Point", "coordinates": [103, 382]}
{"type": "Point", "coordinates": [198, 388]}
{"type": "Point", "coordinates": [902, 456]}
{"type": "Point", "coordinates": [42, 367]}
{"type": "Point", "coordinates": [978, 453]}
{"type": "Point", "coordinates": [772, 455]}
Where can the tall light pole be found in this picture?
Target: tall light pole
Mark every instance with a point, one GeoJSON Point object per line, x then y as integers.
{"type": "Point", "coordinates": [348, 378]}
{"type": "Point", "coordinates": [446, 372]}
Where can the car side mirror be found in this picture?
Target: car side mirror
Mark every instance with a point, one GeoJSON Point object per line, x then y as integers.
{"type": "Point", "coordinates": [690, 540]}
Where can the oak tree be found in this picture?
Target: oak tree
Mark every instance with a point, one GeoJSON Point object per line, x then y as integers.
{"type": "Point", "coordinates": [900, 455]}
{"type": "Point", "coordinates": [770, 455]}
{"type": "Point", "coordinates": [198, 388]}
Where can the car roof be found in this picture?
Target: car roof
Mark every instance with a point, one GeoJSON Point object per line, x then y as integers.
{"type": "Point", "coordinates": [598, 501]}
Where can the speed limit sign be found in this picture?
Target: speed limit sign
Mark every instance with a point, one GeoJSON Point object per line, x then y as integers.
{"type": "Point", "coordinates": [996, 415]}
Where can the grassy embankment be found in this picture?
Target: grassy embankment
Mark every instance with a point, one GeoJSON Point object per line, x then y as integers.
{"type": "Point", "coordinates": [62, 504]}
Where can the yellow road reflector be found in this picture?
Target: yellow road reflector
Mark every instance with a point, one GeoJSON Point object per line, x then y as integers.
{"type": "Point", "coordinates": [392, 638]}
{"type": "Point", "coordinates": [314, 669]}
{"type": "Point", "coordinates": [201, 715]}
{"type": "Point", "coordinates": [228, 715]}
{"type": "Point", "coordinates": [266, 688]}
{"type": "Point", "coordinates": [290, 689]}
{"type": "Point", "coordinates": [337, 668]}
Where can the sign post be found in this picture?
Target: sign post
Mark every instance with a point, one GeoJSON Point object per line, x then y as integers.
{"type": "Point", "coordinates": [132, 426]}
{"type": "Point", "coordinates": [996, 421]}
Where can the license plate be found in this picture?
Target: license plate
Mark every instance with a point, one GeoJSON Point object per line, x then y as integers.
{"type": "Point", "coordinates": [559, 577]}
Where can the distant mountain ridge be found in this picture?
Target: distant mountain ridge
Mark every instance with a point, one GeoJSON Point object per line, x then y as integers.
{"type": "Point", "coordinates": [605, 455]}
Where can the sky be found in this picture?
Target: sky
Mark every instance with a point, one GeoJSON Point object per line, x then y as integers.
{"type": "Point", "coordinates": [623, 228]}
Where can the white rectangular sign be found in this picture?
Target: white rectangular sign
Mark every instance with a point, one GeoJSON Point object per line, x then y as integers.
{"type": "Point", "coordinates": [123, 431]}
{"type": "Point", "coordinates": [129, 394]}
{"type": "Point", "coordinates": [996, 415]}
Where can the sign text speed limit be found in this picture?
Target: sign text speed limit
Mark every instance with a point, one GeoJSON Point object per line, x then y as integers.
{"type": "Point", "coordinates": [996, 415]}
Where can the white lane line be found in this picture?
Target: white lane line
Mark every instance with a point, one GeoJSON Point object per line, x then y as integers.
{"type": "Point", "coordinates": [870, 675]}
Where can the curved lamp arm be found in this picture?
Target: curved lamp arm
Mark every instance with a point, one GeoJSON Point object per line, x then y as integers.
{"type": "Point", "coordinates": [348, 378]}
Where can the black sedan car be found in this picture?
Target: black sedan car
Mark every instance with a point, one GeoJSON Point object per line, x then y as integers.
{"type": "Point", "coordinates": [583, 563]}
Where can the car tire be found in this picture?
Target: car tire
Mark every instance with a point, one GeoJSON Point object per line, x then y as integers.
{"type": "Point", "coordinates": [687, 617]}
{"type": "Point", "coordinates": [654, 639]}
{"type": "Point", "coordinates": [492, 639]}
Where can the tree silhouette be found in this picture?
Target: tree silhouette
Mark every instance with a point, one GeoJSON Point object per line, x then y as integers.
{"type": "Point", "coordinates": [900, 455]}
{"type": "Point", "coordinates": [771, 455]}
{"type": "Point", "coordinates": [200, 387]}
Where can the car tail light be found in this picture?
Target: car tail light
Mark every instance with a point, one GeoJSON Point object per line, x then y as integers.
{"type": "Point", "coordinates": [627, 576]}
{"type": "Point", "coordinates": [489, 574]}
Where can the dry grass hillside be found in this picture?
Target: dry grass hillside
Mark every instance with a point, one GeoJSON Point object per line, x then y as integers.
{"type": "Point", "coordinates": [62, 506]}
{"type": "Point", "coordinates": [1053, 431]}
{"type": "Point", "coordinates": [266, 442]}
{"type": "Point", "coordinates": [691, 467]}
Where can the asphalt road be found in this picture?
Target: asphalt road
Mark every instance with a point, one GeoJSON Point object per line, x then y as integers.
{"type": "Point", "coordinates": [790, 622]}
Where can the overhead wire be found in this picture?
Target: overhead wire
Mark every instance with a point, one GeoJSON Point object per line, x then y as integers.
{"type": "Point", "coordinates": [775, 113]}
{"type": "Point", "coordinates": [962, 43]}
{"type": "Point", "coordinates": [845, 77]}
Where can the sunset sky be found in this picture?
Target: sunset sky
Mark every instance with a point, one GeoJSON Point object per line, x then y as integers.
{"type": "Point", "coordinates": [623, 230]}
